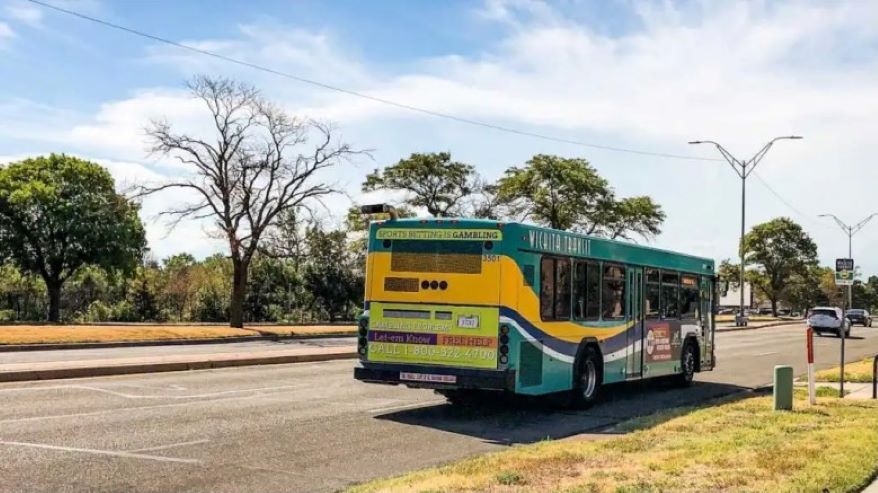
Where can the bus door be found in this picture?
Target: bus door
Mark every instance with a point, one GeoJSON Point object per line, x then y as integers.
{"type": "Point", "coordinates": [707, 321]}
{"type": "Point", "coordinates": [635, 330]}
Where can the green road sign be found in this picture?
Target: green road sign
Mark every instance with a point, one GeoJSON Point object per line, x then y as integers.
{"type": "Point", "coordinates": [844, 278]}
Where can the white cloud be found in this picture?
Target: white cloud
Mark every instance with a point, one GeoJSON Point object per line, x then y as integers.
{"type": "Point", "coordinates": [6, 32]}
{"type": "Point", "coordinates": [24, 12]}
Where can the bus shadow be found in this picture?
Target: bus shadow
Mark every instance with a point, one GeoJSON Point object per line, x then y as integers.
{"type": "Point", "coordinates": [504, 419]}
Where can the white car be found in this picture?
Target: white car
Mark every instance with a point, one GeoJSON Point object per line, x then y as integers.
{"type": "Point", "coordinates": [829, 319]}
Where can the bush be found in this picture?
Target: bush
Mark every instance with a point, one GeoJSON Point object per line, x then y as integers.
{"type": "Point", "coordinates": [7, 315]}
{"type": "Point", "coordinates": [98, 311]}
{"type": "Point", "coordinates": [124, 311]}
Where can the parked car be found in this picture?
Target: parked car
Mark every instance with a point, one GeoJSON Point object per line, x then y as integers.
{"type": "Point", "coordinates": [859, 316]}
{"type": "Point", "coordinates": [829, 319]}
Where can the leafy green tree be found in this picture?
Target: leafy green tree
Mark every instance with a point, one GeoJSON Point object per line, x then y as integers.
{"type": "Point", "coordinates": [729, 274]}
{"type": "Point", "coordinates": [432, 181]}
{"type": "Point", "coordinates": [59, 213]}
{"type": "Point", "coordinates": [330, 275]}
{"type": "Point", "coordinates": [569, 194]}
{"type": "Point", "coordinates": [779, 249]}
{"type": "Point", "coordinates": [803, 289]}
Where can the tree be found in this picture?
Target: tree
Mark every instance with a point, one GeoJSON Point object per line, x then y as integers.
{"type": "Point", "coordinates": [780, 249]}
{"type": "Point", "coordinates": [258, 165]}
{"type": "Point", "coordinates": [330, 274]}
{"type": "Point", "coordinates": [59, 213]}
{"type": "Point", "coordinates": [803, 289]}
{"type": "Point", "coordinates": [569, 194]}
{"type": "Point", "coordinates": [431, 180]}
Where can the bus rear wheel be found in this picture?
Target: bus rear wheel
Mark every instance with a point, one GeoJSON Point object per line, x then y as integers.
{"type": "Point", "coordinates": [688, 364]}
{"type": "Point", "coordinates": [587, 379]}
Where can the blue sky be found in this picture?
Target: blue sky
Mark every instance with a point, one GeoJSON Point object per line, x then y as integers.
{"type": "Point", "coordinates": [644, 75]}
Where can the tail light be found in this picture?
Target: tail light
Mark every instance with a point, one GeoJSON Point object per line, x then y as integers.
{"type": "Point", "coordinates": [362, 336]}
{"type": "Point", "coordinates": [503, 347]}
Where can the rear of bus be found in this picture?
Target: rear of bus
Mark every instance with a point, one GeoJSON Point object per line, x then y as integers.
{"type": "Point", "coordinates": [432, 306]}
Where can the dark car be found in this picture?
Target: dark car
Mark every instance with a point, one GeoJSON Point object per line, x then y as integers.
{"type": "Point", "coordinates": [859, 316]}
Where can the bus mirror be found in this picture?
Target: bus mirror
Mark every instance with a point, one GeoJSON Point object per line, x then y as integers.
{"type": "Point", "coordinates": [379, 209]}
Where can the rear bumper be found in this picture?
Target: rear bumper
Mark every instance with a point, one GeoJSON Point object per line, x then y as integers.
{"type": "Point", "coordinates": [388, 373]}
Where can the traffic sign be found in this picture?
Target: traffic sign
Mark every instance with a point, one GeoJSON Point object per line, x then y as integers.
{"type": "Point", "coordinates": [844, 278]}
{"type": "Point", "coordinates": [844, 264]}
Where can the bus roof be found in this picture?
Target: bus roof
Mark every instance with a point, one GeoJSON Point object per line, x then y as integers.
{"type": "Point", "coordinates": [547, 240]}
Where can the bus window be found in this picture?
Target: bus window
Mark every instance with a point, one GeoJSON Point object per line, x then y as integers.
{"type": "Point", "coordinates": [689, 297]}
{"type": "Point", "coordinates": [547, 288]}
{"type": "Point", "coordinates": [613, 296]}
{"type": "Point", "coordinates": [554, 289]}
{"type": "Point", "coordinates": [670, 298]}
{"type": "Point", "coordinates": [586, 291]}
{"type": "Point", "coordinates": [652, 296]}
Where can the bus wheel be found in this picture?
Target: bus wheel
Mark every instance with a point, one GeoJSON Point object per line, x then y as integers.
{"type": "Point", "coordinates": [588, 378]}
{"type": "Point", "coordinates": [688, 363]}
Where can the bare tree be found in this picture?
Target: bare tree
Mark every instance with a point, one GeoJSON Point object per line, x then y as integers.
{"type": "Point", "coordinates": [260, 163]}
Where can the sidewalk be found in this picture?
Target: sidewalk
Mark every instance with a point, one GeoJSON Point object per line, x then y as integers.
{"type": "Point", "coordinates": [731, 327]}
{"type": "Point", "coordinates": [12, 372]}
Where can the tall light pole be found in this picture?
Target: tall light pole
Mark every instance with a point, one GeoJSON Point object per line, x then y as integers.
{"type": "Point", "coordinates": [743, 170]}
{"type": "Point", "coordinates": [850, 231]}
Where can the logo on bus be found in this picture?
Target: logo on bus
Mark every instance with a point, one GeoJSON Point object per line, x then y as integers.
{"type": "Point", "coordinates": [544, 240]}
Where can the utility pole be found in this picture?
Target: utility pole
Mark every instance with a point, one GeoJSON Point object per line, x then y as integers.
{"type": "Point", "coordinates": [743, 169]}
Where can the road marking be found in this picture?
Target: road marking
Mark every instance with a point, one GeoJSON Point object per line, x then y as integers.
{"type": "Point", "coordinates": [404, 407]}
{"type": "Point", "coordinates": [124, 455]}
{"type": "Point", "coordinates": [135, 396]}
{"type": "Point", "coordinates": [766, 354]}
{"type": "Point", "coordinates": [165, 447]}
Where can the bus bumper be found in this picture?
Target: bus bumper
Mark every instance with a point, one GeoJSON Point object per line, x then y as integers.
{"type": "Point", "coordinates": [433, 377]}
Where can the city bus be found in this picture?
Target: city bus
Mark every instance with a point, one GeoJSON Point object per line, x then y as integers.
{"type": "Point", "coordinates": [464, 305]}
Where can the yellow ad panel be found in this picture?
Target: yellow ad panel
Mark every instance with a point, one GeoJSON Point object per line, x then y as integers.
{"type": "Point", "coordinates": [460, 336]}
{"type": "Point", "coordinates": [439, 234]}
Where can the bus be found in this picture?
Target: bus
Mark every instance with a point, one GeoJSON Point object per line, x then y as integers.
{"type": "Point", "coordinates": [463, 305]}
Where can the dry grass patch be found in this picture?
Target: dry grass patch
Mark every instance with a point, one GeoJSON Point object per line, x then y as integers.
{"type": "Point", "coordinates": [58, 334]}
{"type": "Point", "coordinates": [860, 372]}
{"type": "Point", "coordinates": [737, 446]}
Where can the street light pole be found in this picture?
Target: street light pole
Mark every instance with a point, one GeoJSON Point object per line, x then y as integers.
{"type": "Point", "coordinates": [850, 231]}
{"type": "Point", "coordinates": [743, 169]}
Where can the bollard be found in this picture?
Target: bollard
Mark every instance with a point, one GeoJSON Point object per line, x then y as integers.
{"type": "Point", "coordinates": [783, 388]}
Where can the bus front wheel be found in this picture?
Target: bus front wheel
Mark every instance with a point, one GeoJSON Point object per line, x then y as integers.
{"type": "Point", "coordinates": [688, 364]}
{"type": "Point", "coordinates": [587, 379]}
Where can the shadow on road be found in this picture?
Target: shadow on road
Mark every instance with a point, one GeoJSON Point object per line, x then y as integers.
{"type": "Point", "coordinates": [510, 420]}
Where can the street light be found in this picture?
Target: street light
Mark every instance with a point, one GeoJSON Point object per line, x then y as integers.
{"type": "Point", "coordinates": [850, 231]}
{"type": "Point", "coordinates": [743, 170]}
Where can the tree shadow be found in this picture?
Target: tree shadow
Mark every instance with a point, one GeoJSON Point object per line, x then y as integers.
{"type": "Point", "coordinates": [506, 419]}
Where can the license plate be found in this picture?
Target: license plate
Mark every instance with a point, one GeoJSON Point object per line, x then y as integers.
{"type": "Point", "coordinates": [427, 377]}
{"type": "Point", "coordinates": [468, 322]}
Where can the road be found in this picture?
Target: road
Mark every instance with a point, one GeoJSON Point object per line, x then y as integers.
{"type": "Point", "coordinates": [310, 427]}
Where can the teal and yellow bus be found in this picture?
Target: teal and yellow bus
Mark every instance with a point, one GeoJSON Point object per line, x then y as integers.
{"type": "Point", "coordinates": [458, 305]}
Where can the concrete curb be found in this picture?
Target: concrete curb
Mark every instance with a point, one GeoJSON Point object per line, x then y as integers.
{"type": "Point", "coordinates": [194, 364]}
{"type": "Point", "coordinates": [7, 348]}
{"type": "Point", "coordinates": [765, 326]}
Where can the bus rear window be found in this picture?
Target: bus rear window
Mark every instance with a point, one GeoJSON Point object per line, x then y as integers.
{"type": "Point", "coordinates": [453, 257]}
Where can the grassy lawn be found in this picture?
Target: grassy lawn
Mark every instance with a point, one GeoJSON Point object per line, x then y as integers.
{"type": "Point", "coordinates": [860, 372]}
{"type": "Point", "coordinates": [736, 446]}
{"type": "Point", "coordinates": [56, 334]}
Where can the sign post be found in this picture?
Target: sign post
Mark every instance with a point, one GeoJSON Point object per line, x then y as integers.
{"type": "Point", "coordinates": [844, 276]}
{"type": "Point", "coordinates": [812, 393]}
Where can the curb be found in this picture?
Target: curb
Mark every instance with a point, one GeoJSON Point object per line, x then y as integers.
{"type": "Point", "coordinates": [98, 371]}
{"type": "Point", "coordinates": [765, 326]}
{"type": "Point", "coordinates": [7, 348]}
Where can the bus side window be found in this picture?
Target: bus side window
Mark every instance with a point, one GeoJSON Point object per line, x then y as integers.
{"type": "Point", "coordinates": [554, 288]}
{"type": "Point", "coordinates": [547, 288]}
{"type": "Point", "coordinates": [586, 291]}
{"type": "Point", "coordinates": [670, 298]}
{"type": "Point", "coordinates": [579, 290]}
{"type": "Point", "coordinates": [652, 294]}
{"type": "Point", "coordinates": [613, 297]}
{"type": "Point", "coordinates": [690, 297]}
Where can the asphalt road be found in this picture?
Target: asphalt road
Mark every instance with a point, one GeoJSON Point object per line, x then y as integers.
{"type": "Point", "coordinates": [311, 427]}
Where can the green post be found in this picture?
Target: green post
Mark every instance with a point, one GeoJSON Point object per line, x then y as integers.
{"type": "Point", "coordinates": [783, 388]}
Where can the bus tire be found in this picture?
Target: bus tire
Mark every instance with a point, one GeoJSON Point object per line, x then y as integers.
{"type": "Point", "coordinates": [587, 379]}
{"type": "Point", "coordinates": [688, 363]}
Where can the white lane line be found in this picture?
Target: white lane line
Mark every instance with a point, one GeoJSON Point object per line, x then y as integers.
{"type": "Point", "coordinates": [124, 455]}
{"type": "Point", "coordinates": [403, 407]}
{"type": "Point", "coordinates": [135, 396]}
{"type": "Point", "coordinates": [766, 354]}
{"type": "Point", "coordinates": [169, 446]}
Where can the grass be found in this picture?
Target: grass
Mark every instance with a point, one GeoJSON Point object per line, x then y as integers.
{"type": "Point", "coordinates": [58, 334]}
{"type": "Point", "coordinates": [735, 446]}
{"type": "Point", "coordinates": [859, 372]}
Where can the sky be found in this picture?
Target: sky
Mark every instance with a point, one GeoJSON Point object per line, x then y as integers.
{"type": "Point", "coordinates": [647, 76]}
